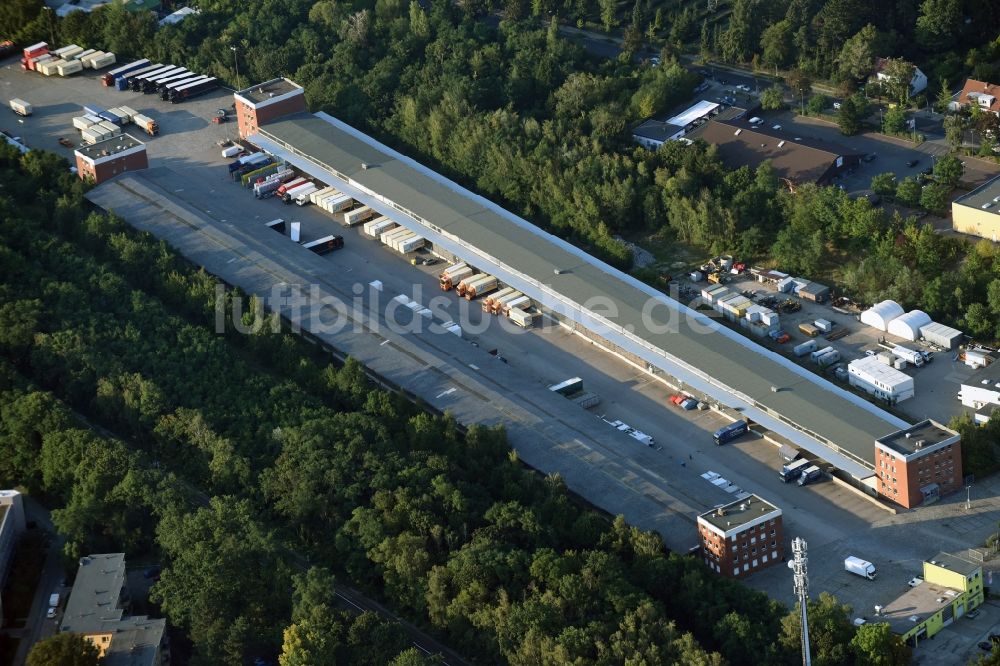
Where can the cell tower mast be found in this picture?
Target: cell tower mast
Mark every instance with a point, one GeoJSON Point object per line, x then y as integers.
{"type": "Point", "coordinates": [799, 565]}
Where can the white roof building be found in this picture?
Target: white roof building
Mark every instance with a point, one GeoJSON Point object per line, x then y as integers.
{"type": "Point", "coordinates": [908, 326]}
{"type": "Point", "coordinates": [879, 315]}
{"type": "Point", "coordinates": [880, 380]}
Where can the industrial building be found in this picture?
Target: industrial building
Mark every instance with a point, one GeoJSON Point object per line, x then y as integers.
{"type": "Point", "coordinates": [981, 392]}
{"type": "Point", "coordinates": [920, 464]}
{"type": "Point", "coordinates": [796, 160]}
{"type": "Point", "coordinates": [645, 327]}
{"type": "Point", "coordinates": [914, 325]}
{"type": "Point", "coordinates": [106, 159]}
{"type": "Point", "coordinates": [879, 379]}
{"type": "Point", "coordinates": [978, 212]}
{"type": "Point", "coordinates": [653, 133]}
{"type": "Point", "coordinates": [741, 537]}
{"type": "Point", "coordinates": [952, 587]}
{"type": "Point", "coordinates": [98, 609]}
{"type": "Point", "coordinates": [12, 524]}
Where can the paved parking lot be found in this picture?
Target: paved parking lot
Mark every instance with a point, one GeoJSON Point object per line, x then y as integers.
{"type": "Point", "coordinates": [659, 488]}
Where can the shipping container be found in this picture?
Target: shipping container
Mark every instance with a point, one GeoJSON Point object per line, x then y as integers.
{"type": "Point", "coordinates": [68, 51]}
{"type": "Point", "coordinates": [86, 53]}
{"type": "Point", "coordinates": [522, 303]}
{"type": "Point", "coordinates": [123, 81]}
{"type": "Point", "coordinates": [92, 134]}
{"type": "Point", "coordinates": [21, 108]}
{"type": "Point", "coordinates": [146, 124]}
{"type": "Point", "coordinates": [396, 241]}
{"type": "Point", "coordinates": [136, 82]}
{"type": "Point", "coordinates": [375, 227]}
{"type": "Point", "coordinates": [808, 329]}
{"type": "Point", "coordinates": [337, 204]}
{"type": "Point", "coordinates": [166, 88]}
{"type": "Point", "coordinates": [50, 67]}
{"type": "Point", "coordinates": [152, 86]}
{"type": "Point", "coordinates": [88, 60]}
{"type": "Point", "coordinates": [388, 236]}
{"type": "Point", "coordinates": [110, 127]}
{"type": "Point", "coordinates": [412, 245]}
{"type": "Point", "coordinates": [805, 348]}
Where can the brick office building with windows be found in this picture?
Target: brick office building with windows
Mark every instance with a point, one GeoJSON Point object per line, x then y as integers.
{"type": "Point", "coordinates": [918, 465]}
{"type": "Point", "coordinates": [106, 159]}
{"type": "Point", "coordinates": [265, 102]}
{"type": "Point", "coordinates": [742, 537]}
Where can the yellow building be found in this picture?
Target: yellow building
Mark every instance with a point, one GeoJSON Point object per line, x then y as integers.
{"type": "Point", "coordinates": [952, 587]}
{"type": "Point", "coordinates": [978, 212]}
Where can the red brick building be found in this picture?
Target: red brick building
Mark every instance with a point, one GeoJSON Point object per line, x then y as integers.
{"type": "Point", "coordinates": [264, 102]}
{"type": "Point", "coordinates": [106, 159]}
{"type": "Point", "coordinates": [918, 465]}
{"type": "Point", "coordinates": [742, 537]}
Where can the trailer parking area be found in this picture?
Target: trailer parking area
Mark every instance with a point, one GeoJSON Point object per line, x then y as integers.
{"type": "Point", "coordinates": [657, 488]}
{"type": "Point", "coordinates": [186, 129]}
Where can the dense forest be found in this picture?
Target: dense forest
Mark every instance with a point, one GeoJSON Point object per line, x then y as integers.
{"type": "Point", "coordinates": [260, 471]}
{"type": "Point", "coordinates": [527, 118]}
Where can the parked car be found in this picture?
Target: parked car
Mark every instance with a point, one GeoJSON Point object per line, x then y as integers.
{"type": "Point", "coordinates": [870, 157]}
{"type": "Point", "coordinates": [51, 613]}
{"type": "Point", "coordinates": [776, 127]}
{"type": "Point", "coordinates": [972, 614]}
{"type": "Point", "coordinates": [836, 105]}
{"type": "Point", "coordinates": [914, 582]}
{"type": "Point", "coordinates": [913, 163]}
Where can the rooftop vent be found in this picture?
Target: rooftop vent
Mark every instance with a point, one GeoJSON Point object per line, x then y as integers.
{"type": "Point", "coordinates": [743, 507]}
{"type": "Point", "coordinates": [364, 166]}
{"type": "Point", "coordinates": [721, 511]}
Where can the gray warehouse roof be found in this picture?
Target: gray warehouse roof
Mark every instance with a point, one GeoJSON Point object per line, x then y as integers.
{"type": "Point", "coordinates": [736, 370]}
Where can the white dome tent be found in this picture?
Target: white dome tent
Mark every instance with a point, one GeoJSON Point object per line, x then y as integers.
{"type": "Point", "coordinates": [908, 326]}
{"type": "Point", "coordinates": [879, 315]}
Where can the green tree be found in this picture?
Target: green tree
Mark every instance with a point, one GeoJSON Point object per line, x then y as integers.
{"type": "Point", "coordinates": [608, 9]}
{"type": "Point", "coordinates": [954, 130]}
{"type": "Point", "coordinates": [212, 587]}
{"type": "Point", "coordinates": [935, 198]}
{"type": "Point", "coordinates": [949, 170]}
{"type": "Point", "coordinates": [993, 296]}
{"type": "Point", "coordinates": [908, 191]}
{"type": "Point", "coordinates": [884, 184]}
{"type": "Point", "coordinates": [979, 321]}
{"type": "Point", "coordinates": [64, 649]}
{"type": "Point", "coordinates": [849, 116]}
{"type": "Point", "coordinates": [944, 96]}
{"type": "Point", "coordinates": [817, 104]}
{"type": "Point", "coordinates": [857, 57]}
{"type": "Point", "coordinates": [830, 630]}
{"type": "Point", "coordinates": [894, 121]}
{"type": "Point", "coordinates": [776, 44]}
{"type": "Point", "coordinates": [939, 24]}
{"type": "Point", "coordinates": [874, 644]}
{"type": "Point", "coordinates": [773, 98]}
{"type": "Point", "coordinates": [897, 75]}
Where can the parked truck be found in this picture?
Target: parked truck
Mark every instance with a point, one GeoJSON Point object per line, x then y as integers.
{"type": "Point", "coordinates": [411, 244]}
{"type": "Point", "coordinates": [146, 124]}
{"type": "Point", "coordinates": [480, 287]}
{"type": "Point", "coordinates": [358, 215]}
{"type": "Point", "coordinates": [911, 356]}
{"type": "Point", "coordinates": [488, 301]}
{"type": "Point", "coordinates": [325, 244]}
{"type": "Point", "coordinates": [452, 275]}
{"type": "Point", "coordinates": [302, 195]}
{"type": "Point", "coordinates": [860, 567]}
{"type": "Point", "coordinates": [793, 470]}
{"type": "Point", "coordinates": [500, 305]}
{"type": "Point", "coordinates": [463, 285]}
{"type": "Point", "coordinates": [321, 194]}
{"type": "Point", "coordinates": [160, 84]}
{"type": "Point", "coordinates": [21, 108]}
{"type": "Point", "coordinates": [241, 162]}
{"type": "Point", "coordinates": [165, 89]}
{"type": "Point", "coordinates": [291, 194]}
{"type": "Point", "coordinates": [809, 474]}
{"type": "Point", "coordinates": [520, 303]}
{"type": "Point", "coordinates": [123, 81]}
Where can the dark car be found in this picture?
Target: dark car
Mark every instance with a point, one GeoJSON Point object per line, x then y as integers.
{"type": "Point", "coordinates": [870, 157]}
{"type": "Point", "coordinates": [151, 572]}
{"type": "Point", "coordinates": [913, 163]}
{"type": "Point", "coordinates": [985, 645]}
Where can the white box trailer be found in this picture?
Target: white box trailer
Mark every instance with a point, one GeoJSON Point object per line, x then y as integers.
{"type": "Point", "coordinates": [293, 192]}
{"type": "Point", "coordinates": [115, 130]}
{"type": "Point", "coordinates": [125, 112]}
{"type": "Point", "coordinates": [523, 318]}
{"type": "Point", "coordinates": [337, 204]}
{"type": "Point", "coordinates": [411, 244]}
{"type": "Point", "coordinates": [319, 195]}
{"type": "Point", "coordinates": [296, 232]}
{"type": "Point", "coordinates": [387, 236]}
{"type": "Point", "coordinates": [83, 54]}
{"type": "Point", "coordinates": [92, 134]}
{"type": "Point", "coordinates": [49, 67]}
{"type": "Point", "coordinates": [21, 107]}
{"type": "Point", "coordinates": [68, 51]}
{"type": "Point", "coordinates": [522, 303]}
{"type": "Point", "coordinates": [88, 59]}
{"type": "Point", "coordinates": [378, 226]}
{"type": "Point", "coordinates": [67, 67]}
{"type": "Point", "coordinates": [358, 215]}
{"type": "Point", "coordinates": [82, 122]}
{"type": "Point", "coordinates": [394, 241]}
{"type": "Point", "coordinates": [103, 60]}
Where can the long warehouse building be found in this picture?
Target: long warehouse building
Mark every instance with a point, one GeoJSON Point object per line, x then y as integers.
{"type": "Point", "coordinates": [598, 301]}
